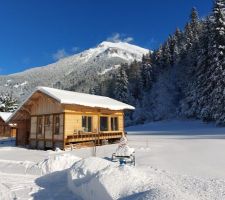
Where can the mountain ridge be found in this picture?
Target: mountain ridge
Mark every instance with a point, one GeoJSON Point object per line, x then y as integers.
{"type": "Point", "coordinates": [69, 71]}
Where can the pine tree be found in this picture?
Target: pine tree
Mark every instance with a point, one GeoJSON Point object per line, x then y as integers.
{"type": "Point", "coordinates": [8, 103]}
{"type": "Point", "coordinates": [189, 63]}
{"type": "Point", "coordinates": [217, 68]}
{"type": "Point", "coordinates": [202, 89]}
{"type": "Point", "coordinates": [146, 73]}
{"type": "Point", "coordinates": [194, 24]}
{"type": "Point", "coordinates": [166, 60]}
{"type": "Point", "coordinates": [92, 91]}
{"type": "Point", "coordinates": [121, 85]}
{"type": "Point", "coordinates": [134, 79]}
{"type": "Point", "coordinates": [98, 89]}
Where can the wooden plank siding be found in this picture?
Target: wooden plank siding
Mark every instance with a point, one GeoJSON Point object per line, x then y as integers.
{"type": "Point", "coordinates": [70, 123]}
{"type": "Point", "coordinates": [71, 129]}
{"type": "Point", "coordinates": [6, 130]}
{"type": "Point", "coordinates": [73, 125]}
{"type": "Point", "coordinates": [23, 132]}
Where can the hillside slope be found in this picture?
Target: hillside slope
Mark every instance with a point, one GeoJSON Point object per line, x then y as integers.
{"type": "Point", "coordinates": [72, 71]}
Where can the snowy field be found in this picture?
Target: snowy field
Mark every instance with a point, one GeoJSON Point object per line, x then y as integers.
{"type": "Point", "coordinates": [174, 160]}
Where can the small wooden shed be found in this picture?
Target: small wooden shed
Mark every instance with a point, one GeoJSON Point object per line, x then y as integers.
{"type": "Point", "coordinates": [51, 118]}
{"type": "Point", "coordinates": [6, 130]}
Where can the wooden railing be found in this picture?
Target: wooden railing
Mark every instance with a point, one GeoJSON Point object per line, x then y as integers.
{"type": "Point", "coordinates": [93, 136]}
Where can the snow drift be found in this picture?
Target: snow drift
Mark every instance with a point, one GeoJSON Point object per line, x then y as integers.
{"type": "Point", "coordinates": [57, 162]}
{"type": "Point", "coordinates": [96, 178]}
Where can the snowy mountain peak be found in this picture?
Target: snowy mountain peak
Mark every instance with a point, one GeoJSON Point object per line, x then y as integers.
{"type": "Point", "coordinates": [125, 48]}
{"type": "Point", "coordinates": [122, 45]}
{"type": "Point", "coordinates": [73, 70]}
{"type": "Point", "coordinates": [121, 50]}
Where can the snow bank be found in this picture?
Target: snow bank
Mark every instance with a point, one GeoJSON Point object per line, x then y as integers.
{"type": "Point", "coordinates": [96, 178]}
{"type": "Point", "coordinates": [176, 127]}
{"type": "Point", "coordinates": [57, 162]}
{"type": "Point", "coordinates": [18, 167]}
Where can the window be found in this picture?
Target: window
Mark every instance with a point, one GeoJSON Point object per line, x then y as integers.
{"type": "Point", "coordinates": [56, 124]}
{"type": "Point", "coordinates": [39, 125]}
{"type": "Point", "coordinates": [47, 120]}
{"type": "Point", "coordinates": [87, 123]}
{"type": "Point", "coordinates": [1, 130]}
{"type": "Point", "coordinates": [47, 123]}
{"type": "Point", "coordinates": [114, 124]}
{"type": "Point", "coordinates": [103, 123]}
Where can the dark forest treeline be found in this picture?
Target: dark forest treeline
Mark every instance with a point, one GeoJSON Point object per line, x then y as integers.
{"type": "Point", "coordinates": [184, 77]}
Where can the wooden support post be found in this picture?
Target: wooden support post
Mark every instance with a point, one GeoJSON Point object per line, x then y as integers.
{"type": "Point", "coordinates": [53, 129]}
{"type": "Point", "coordinates": [36, 132]}
{"type": "Point", "coordinates": [44, 132]}
{"type": "Point", "coordinates": [64, 131]}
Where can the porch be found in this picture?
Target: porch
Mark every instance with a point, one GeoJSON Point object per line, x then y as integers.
{"type": "Point", "coordinates": [82, 139]}
{"type": "Point", "coordinates": [96, 137]}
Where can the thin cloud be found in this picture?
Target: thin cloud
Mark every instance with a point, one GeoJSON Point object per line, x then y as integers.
{"type": "Point", "coordinates": [117, 37]}
{"type": "Point", "coordinates": [114, 38]}
{"type": "Point", "coordinates": [63, 53]}
{"type": "Point", "coordinates": [59, 54]}
{"type": "Point", "coordinates": [128, 39]}
{"type": "Point", "coordinates": [75, 49]}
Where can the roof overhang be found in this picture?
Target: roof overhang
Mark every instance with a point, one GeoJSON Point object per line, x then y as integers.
{"type": "Point", "coordinates": [28, 102]}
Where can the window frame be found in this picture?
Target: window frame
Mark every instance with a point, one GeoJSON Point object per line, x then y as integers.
{"type": "Point", "coordinates": [47, 119]}
{"type": "Point", "coordinates": [56, 126]}
{"type": "Point", "coordinates": [114, 123]}
{"type": "Point", "coordinates": [85, 119]}
{"type": "Point", "coordinates": [39, 125]}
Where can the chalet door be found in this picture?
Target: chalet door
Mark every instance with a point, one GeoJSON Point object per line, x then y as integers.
{"type": "Point", "coordinates": [13, 132]}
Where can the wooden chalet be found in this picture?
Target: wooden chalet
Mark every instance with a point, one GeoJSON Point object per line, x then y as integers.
{"type": "Point", "coordinates": [6, 130]}
{"type": "Point", "coordinates": [52, 118]}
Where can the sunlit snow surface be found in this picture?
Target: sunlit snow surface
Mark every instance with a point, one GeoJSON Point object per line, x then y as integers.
{"type": "Point", "coordinates": [187, 164]}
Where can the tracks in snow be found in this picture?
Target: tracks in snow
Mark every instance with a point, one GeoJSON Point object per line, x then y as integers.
{"type": "Point", "coordinates": [16, 186]}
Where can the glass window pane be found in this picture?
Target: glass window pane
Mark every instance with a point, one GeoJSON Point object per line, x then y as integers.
{"type": "Point", "coordinates": [103, 123]}
{"type": "Point", "coordinates": [89, 124]}
{"type": "Point", "coordinates": [114, 123]}
{"type": "Point", "coordinates": [84, 120]}
{"type": "Point", "coordinates": [116, 128]}
{"type": "Point", "coordinates": [112, 128]}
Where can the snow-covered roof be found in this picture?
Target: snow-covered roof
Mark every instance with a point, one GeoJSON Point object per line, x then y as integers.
{"type": "Point", "coordinates": [5, 115]}
{"type": "Point", "coordinates": [76, 98]}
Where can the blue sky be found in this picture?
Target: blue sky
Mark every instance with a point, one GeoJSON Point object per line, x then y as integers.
{"type": "Point", "coordinates": [38, 32]}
